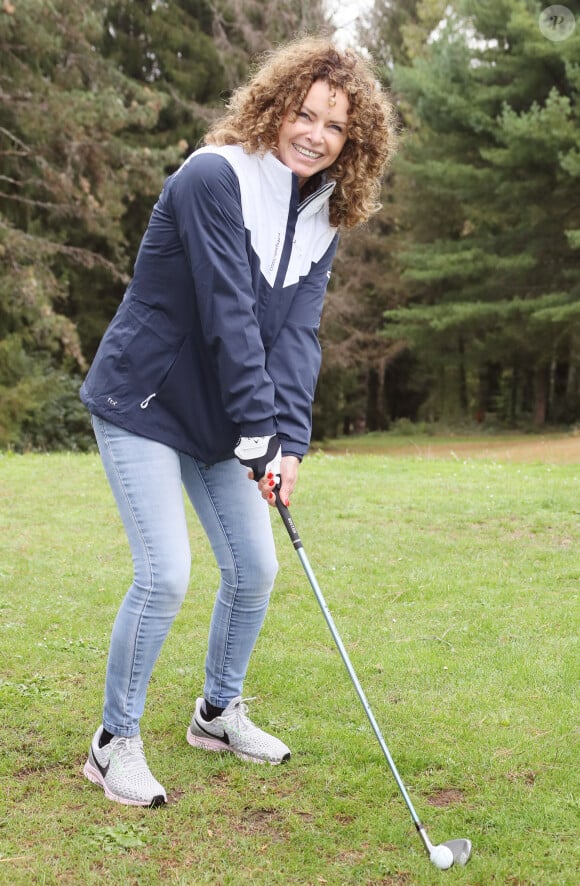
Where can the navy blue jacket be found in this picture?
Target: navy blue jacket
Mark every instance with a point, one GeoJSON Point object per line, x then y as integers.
{"type": "Point", "coordinates": [216, 336]}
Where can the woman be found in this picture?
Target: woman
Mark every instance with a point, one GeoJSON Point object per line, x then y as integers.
{"type": "Point", "coordinates": [208, 369]}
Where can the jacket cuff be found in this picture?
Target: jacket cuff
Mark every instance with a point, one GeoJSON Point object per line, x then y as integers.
{"type": "Point", "coordinates": [264, 428]}
{"type": "Point", "coordinates": [293, 449]}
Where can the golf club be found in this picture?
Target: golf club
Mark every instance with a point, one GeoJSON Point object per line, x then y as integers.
{"type": "Point", "coordinates": [444, 855]}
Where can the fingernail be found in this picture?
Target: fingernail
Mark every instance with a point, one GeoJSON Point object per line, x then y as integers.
{"type": "Point", "coordinates": [287, 502]}
{"type": "Point", "coordinates": [270, 476]}
{"type": "Point", "coordinates": [271, 483]}
{"type": "Point", "coordinates": [271, 497]}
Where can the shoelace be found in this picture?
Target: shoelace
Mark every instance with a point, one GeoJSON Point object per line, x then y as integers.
{"type": "Point", "coordinates": [130, 753]}
{"type": "Point", "coordinates": [243, 722]}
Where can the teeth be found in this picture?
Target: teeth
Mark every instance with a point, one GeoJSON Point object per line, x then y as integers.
{"type": "Point", "coordinates": [312, 155]}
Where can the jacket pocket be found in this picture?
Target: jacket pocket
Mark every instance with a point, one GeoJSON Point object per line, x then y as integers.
{"type": "Point", "coordinates": [134, 358]}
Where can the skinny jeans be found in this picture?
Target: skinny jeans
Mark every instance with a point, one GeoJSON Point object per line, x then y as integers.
{"type": "Point", "coordinates": [147, 479]}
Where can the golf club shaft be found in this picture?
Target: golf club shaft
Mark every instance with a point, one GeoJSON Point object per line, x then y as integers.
{"type": "Point", "coordinates": [295, 538]}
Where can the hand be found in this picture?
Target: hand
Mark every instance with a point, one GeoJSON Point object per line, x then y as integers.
{"type": "Point", "coordinates": [261, 454]}
{"type": "Point", "coordinates": [288, 479]}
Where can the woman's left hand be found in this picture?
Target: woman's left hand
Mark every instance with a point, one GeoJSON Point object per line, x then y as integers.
{"type": "Point", "coordinates": [288, 478]}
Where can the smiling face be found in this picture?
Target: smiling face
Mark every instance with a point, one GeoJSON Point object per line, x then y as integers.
{"type": "Point", "coordinates": [313, 141]}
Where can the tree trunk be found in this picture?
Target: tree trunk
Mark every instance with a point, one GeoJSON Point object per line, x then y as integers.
{"type": "Point", "coordinates": [541, 386]}
{"type": "Point", "coordinates": [373, 388]}
{"type": "Point", "coordinates": [463, 395]}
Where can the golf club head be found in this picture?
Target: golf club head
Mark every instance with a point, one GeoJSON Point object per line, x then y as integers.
{"type": "Point", "coordinates": [461, 850]}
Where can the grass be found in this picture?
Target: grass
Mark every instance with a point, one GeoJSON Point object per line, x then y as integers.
{"type": "Point", "coordinates": [454, 584]}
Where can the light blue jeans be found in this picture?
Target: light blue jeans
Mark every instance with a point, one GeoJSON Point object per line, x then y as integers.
{"type": "Point", "coordinates": [147, 479]}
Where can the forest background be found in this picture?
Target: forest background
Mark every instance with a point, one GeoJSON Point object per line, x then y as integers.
{"type": "Point", "coordinates": [458, 304]}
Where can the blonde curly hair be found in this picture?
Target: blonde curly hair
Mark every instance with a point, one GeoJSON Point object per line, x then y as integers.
{"type": "Point", "coordinates": [278, 88]}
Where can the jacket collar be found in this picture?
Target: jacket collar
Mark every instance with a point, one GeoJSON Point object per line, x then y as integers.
{"type": "Point", "coordinates": [312, 204]}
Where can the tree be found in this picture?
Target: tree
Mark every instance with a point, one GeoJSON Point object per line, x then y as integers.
{"type": "Point", "coordinates": [171, 47]}
{"type": "Point", "coordinates": [489, 175]}
{"type": "Point", "coordinates": [69, 173]}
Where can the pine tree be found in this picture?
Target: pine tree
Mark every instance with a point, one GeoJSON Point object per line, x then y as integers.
{"type": "Point", "coordinates": [490, 181]}
{"type": "Point", "coordinates": [68, 175]}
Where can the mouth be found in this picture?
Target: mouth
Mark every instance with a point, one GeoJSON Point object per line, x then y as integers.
{"type": "Point", "coordinates": [306, 153]}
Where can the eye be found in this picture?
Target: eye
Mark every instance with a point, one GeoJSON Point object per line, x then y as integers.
{"type": "Point", "coordinates": [337, 128]}
{"type": "Point", "coordinates": [304, 114]}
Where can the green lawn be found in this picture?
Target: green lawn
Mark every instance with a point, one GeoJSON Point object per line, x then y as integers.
{"type": "Point", "coordinates": [454, 584]}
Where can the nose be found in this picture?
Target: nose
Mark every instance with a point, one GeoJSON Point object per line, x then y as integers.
{"type": "Point", "coordinates": [316, 132]}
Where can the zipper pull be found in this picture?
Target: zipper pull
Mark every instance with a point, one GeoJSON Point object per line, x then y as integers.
{"type": "Point", "coordinates": [145, 402]}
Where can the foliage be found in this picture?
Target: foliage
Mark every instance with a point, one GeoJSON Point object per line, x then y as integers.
{"type": "Point", "coordinates": [70, 175]}
{"type": "Point", "coordinates": [488, 180]}
{"type": "Point", "coordinates": [169, 46]}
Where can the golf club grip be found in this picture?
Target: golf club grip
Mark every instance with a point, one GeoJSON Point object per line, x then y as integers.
{"type": "Point", "coordinates": [287, 520]}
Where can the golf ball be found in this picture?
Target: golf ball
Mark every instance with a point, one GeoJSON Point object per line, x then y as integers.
{"type": "Point", "coordinates": [442, 857]}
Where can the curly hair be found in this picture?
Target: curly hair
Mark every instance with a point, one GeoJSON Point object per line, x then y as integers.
{"type": "Point", "coordinates": [278, 88]}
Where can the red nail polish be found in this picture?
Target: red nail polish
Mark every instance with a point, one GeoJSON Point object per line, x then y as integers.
{"type": "Point", "coordinates": [270, 476]}
{"type": "Point", "coordinates": [271, 483]}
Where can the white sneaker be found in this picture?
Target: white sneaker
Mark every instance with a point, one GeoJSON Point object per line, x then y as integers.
{"type": "Point", "coordinates": [121, 769]}
{"type": "Point", "coordinates": [233, 731]}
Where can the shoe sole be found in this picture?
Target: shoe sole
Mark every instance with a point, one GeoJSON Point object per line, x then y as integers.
{"type": "Point", "coordinates": [214, 744]}
{"type": "Point", "coordinates": [95, 776]}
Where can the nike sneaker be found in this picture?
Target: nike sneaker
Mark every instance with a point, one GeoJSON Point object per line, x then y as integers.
{"type": "Point", "coordinates": [233, 731]}
{"type": "Point", "coordinates": [120, 768]}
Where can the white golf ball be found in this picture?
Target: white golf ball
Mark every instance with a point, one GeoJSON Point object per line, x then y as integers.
{"type": "Point", "coordinates": [442, 857]}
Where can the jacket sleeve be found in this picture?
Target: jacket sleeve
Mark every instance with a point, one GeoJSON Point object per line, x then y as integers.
{"type": "Point", "coordinates": [206, 202]}
{"type": "Point", "coordinates": [295, 357]}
